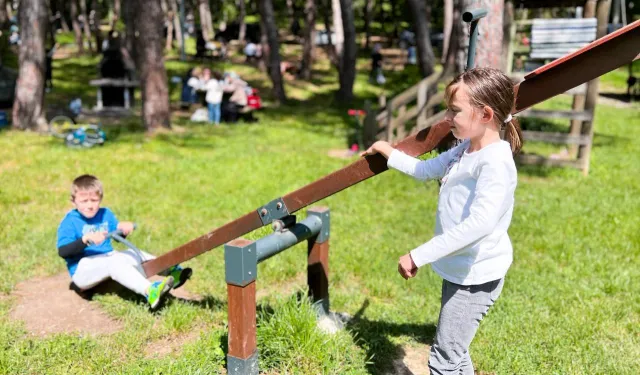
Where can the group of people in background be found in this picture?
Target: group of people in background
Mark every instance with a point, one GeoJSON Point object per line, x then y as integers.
{"type": "Point", "coordinates": [225, 95]}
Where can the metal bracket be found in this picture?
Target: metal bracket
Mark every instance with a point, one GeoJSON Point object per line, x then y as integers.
{"type": "Point", "coordinates": [274, 210]}
{"type": "Point", "coordinates": [323, 236]}
{"type": "Point", "coordinates": [240, 264]}
{"type": "Point", "coordinates": [247, 366]}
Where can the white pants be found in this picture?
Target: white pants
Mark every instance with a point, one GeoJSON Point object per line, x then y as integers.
{"type": "Point", "coordinates": [124, 267]}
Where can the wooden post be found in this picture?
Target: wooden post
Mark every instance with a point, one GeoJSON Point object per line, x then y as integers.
{"type": "Point", "coordinates": [401, 126]}
{"type": "Point", "coordinates": [578, 105]}
{"type": "Point", "coordinates": [422, 100]}
{"type": "Point", "coordinates": [240, 259]}
{"type": "Point", "coordinates": [390, 121]}
{"type": "Point", "coordinates": [584, 151]}
{"type": "Point", "coordinates": [579, 99]}
{"type": "Point", "coordinates": [318, 262]}
{"type": "Point", "coordinates": [370, 126]}
{"type": "Point", "coordinates": [242, 320]}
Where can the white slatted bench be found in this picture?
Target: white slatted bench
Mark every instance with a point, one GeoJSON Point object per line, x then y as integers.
{"type": "Point", "coordinates": [550, 40]}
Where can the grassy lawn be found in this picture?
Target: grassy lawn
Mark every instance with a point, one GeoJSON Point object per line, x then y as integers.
{"type": "Point", "coordinates": [570, 303]}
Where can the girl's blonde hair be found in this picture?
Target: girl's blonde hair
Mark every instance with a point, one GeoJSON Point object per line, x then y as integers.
{"type": "Point", "coordinates": [492, 88]}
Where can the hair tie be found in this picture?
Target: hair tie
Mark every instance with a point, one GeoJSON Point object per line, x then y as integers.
{"type": "Point", "coordinates": [508, 119]}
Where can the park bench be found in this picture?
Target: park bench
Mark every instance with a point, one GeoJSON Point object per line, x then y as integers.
{"type": "Point", "coordinates": [393, 58]}
{"type": "Point", "coordinates": [552, 39]}
{"type": "Point", "coordinates": [128, 85]}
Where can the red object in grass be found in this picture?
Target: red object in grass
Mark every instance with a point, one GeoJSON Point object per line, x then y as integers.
{"type": "Point", "coordinates": [253, 100]}
{"type": "Point", "coordinates": [356, 112]}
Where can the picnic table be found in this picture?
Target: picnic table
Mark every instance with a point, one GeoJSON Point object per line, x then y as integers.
{"type": "Point", "coordinates": [128, 85]}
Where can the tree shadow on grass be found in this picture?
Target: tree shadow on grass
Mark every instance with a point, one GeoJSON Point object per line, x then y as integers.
{"type": "Point", "coordinates": [373, 336]}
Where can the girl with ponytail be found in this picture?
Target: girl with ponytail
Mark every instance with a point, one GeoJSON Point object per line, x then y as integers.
{"type": "Point", "coordinates": [471, 249]}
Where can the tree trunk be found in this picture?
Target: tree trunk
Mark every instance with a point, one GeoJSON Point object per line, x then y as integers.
{"type": "Point", "coordinates": [9, 8]}
{"type": "Point", "coordinates": [348, 57]}
{"type": "Point", "coordinates": [309, 39]}
{"type": "Point", "coordinates": [76, 26]}
{"type": "Point", "coordinates": [447, 26]}
{"type": "Point", "coordinates": [508, 20]}
{"type": "Point", "coordinates": [338, 27]}
{"type": "Point", "coordinates": [205, 20]}
{"type": "Point", "coordinates": [95, 17]}
{"type": "Point", "coordinates": [177, 26]}
{"type": "Point", "coordinates": [243, 25]}
{"type": "Point", "coordinates": [273, 50]}
{"type": "Point", "coordinates": [3, 14]}
{"type": "Point", "coordinates": [489, 51]}
{"type": "Point", "coordinates": [85, 24]}
{"type": "Point", "coordinates": [368, 12]}
{"type": "Point", "coordinates": [150, 64]}
{"type": "Point", "coordinates": [426, 58]}
{"type": "Point", "coordinates": [453, 64]}
{"type": "Point", "coordinates": [394, 36]}
{"type": "Point", "coordinates": [115, 15]}
{"type": "Point", "coordinates": [291, 12]}
{"type": "Point", "coordinates": [168, 21]}
{"type": "Point", "coordinates": [489, 47]}
{"type": "Point", "coordinates": [61, 9]}
{"type": "Point", "coordinates": [331, 51]}
{"type": "Point", "coordinates": [129, 17]}
{"type": "Point", "coordinates": [28, 111]}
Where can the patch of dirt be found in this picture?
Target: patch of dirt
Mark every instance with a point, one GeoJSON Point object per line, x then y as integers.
{"type": "Point", "coordinates": [414, 361]}
{"type": "Point", "coordinates": [48, 305]}
{"type": "Point", "coordinates": [170, 345]}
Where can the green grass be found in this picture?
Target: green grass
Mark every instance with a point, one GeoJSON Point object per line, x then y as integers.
{"type": "Point", "coordinates": [570, 303]}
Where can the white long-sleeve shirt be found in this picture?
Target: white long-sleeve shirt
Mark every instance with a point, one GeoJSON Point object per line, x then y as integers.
{"type": "Point", "coordinates": [471, 245]}
{"type": "Point", "coordinates": [214, 90]}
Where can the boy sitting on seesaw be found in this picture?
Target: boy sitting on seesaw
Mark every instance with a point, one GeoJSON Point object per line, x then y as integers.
{"type": "Point", "coordinates": [83, 243]}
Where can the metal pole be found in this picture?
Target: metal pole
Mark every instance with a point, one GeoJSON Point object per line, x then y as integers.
{"type": "Point", "coordinates": [184, 37]}
{"type": "Point", "coordinates": [280, 241]}
{"type": "Point", "coordinates": [473, 16]}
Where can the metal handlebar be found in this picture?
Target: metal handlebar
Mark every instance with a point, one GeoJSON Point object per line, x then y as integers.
{"type": "Point", "coordinates": [473, 16]}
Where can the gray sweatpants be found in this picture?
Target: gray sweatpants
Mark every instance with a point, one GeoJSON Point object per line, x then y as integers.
{"type": "Point", "coordinates": [463, 307]}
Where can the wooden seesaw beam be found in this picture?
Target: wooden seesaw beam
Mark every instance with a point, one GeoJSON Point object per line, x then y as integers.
{"type": "Point", "coordinates": [601, 56]}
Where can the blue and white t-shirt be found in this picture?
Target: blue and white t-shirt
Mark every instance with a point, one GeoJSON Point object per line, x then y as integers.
{"type": "Point", "coordinates": [74, 226]}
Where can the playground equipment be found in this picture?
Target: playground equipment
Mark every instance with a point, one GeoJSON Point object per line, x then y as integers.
{"type": "Point", "coordinates": [601, 56]}
{"type": "Point", "coordinates": [241, 258]}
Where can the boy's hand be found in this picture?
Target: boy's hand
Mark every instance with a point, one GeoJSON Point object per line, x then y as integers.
{"type": "Point", "coordinates": [126, 227]}
{"type": "Point", "coordinates": [381, 147]}
{"type": "Point", "coordinates": [406, 267]}
{"type": "Point", "coordinates": [95, 238]}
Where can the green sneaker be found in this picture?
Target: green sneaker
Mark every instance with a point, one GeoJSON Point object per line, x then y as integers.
{"type": "Point", "coordinates": [158, 289]}
{"type": "Point", "coordinates": [180, 275]}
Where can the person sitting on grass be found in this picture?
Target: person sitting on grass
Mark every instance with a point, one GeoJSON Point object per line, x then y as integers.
{"type": "Point", "coordinates": [83, 243]}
